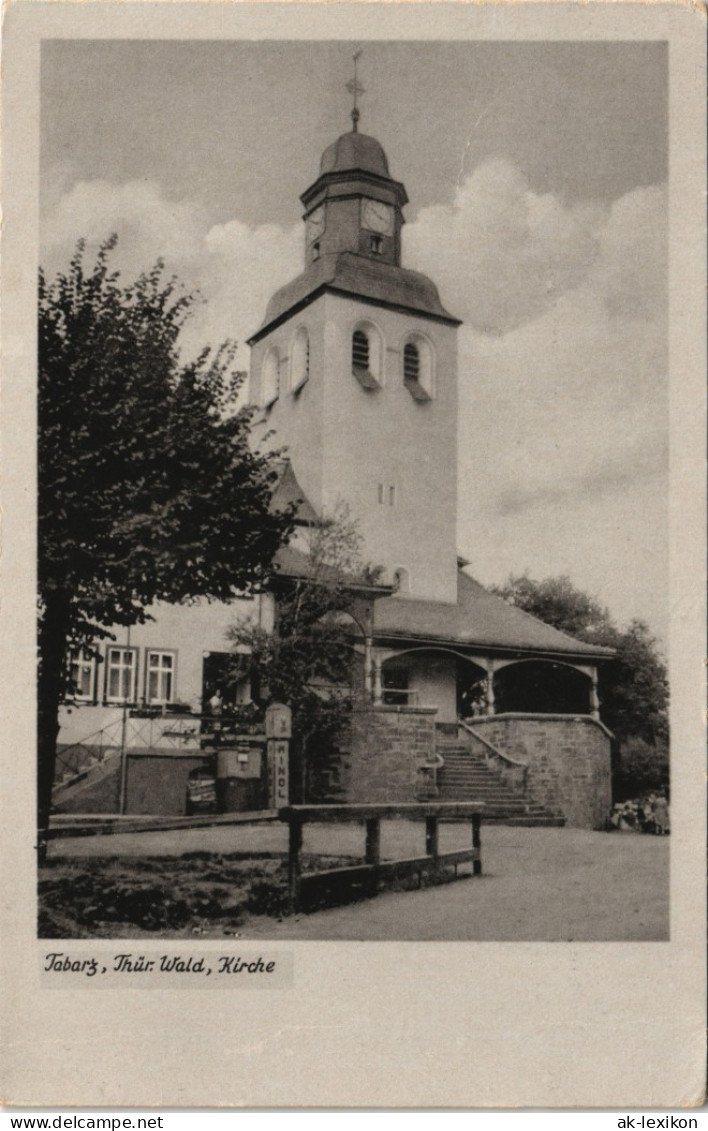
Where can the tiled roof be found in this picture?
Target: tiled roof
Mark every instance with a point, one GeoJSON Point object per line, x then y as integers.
{"type": "Point", "coordinates": [294, 563]}
{"type": "Point", "coordinates": [478, 618]}
{"type": "Point", "coordinates": [287, 491]}
{"type": "Point", "coordinates": [350, 274]}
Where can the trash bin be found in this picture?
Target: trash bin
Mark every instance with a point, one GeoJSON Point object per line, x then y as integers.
{"type": "Point", "coordinates": [240, 783]}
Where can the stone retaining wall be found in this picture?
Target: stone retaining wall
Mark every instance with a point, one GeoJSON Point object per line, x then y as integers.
{"type": "Point", "coordinates": [384, 752]}
{"type": "Point", "coordinates": [568, 758]}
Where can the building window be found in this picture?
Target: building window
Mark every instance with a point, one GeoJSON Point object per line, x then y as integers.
{"type": "Point", "coordinates": [121, 671]}
{"type": "Point", "coordinates": [376, 245]}
{"type": "Point", "coordinates": [315, 251]}
{"type": "Point", "coordinates": [160, 677]}
{"type": "Point", "coordinates": [392, 496]}
{"type": "Point", "coordinates": [270, 384]}
{"type": "Point", "coordinates": [381, 492]}
{"type": "Point", "coordinates": [82, 676]}
{"type": "Point", "coordinates": [395, 683]}
{"type": "Point", "coordinates": [300, 360]}
{"type": "Point", "coordinates": [418, 368]}
{"type": "Point", "coordinates": [366, 356]}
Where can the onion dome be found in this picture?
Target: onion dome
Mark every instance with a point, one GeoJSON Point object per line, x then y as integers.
{"type": "Point", "coordinates": [354, 151]}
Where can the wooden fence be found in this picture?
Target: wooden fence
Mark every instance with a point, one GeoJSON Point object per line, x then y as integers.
{"type": "Point", "coordinates": [315, 889]}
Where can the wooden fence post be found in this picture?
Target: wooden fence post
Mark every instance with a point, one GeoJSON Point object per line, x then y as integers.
{"type": "Point", "coordinates": [373, 840]}
{"type": "Point", "coordinates": [294, 862]}
{"type": "Point", "coordinates": [477, 844]}
{"type": "Point", "coordinates": [431, 836]}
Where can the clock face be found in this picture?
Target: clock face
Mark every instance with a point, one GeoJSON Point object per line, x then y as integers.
{"type": "Point", "coordinates": [378, 217]}
{"type": "Point", "coordinates": [315, 224]}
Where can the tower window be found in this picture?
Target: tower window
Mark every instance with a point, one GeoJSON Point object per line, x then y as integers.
{"type": "Point", "coordinates": [316, 250]}
{"type": "Point", "coordinates": [270, 379]}
{"type": "Point", "coordinates": [376, 245]}
{"type": "Point", "coordinates": [381, 492]}
{"type": "Point", "coordinates": [411, 362]}
{"type": "Point", "coordinates": [418, 368]}
{"type": "Point", "coordinates": [300, 360]}
{"type": "Point", "coordinates": [367, 354]}
{"type": "Point", "coordinates": [391, 496]}
{"type": "Point", "coordinates": [360, 350]}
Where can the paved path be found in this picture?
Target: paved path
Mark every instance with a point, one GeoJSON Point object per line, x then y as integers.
{"type": "Point", "coordinates": [538, 884]}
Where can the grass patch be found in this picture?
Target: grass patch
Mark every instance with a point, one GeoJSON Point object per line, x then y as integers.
{"type": "Point", "coordinates": [198, 893]}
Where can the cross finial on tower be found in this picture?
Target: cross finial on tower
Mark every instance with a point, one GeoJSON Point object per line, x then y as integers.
{"type": "Point", "coordinates": [355, 88]}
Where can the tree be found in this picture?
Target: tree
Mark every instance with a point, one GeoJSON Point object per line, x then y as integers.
{"type": "Point", "coordinates": [633, 687]}
{"type": "Point", "coordinates": [557, 602]}
{"type": "Point", "coordinates": [147, 488]}
{"type": "Point", "coordinates": [308, 660]}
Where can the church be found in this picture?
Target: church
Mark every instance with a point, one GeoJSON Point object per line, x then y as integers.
{"type": "Point", "coordinates": [354, 372]}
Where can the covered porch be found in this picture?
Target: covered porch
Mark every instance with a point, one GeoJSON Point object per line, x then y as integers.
{"type": "Point", "coordinates": [467, 684]}
{"type": "Point", "coordinates": [477, 657]}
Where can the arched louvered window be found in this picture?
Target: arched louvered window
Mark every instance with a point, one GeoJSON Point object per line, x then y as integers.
{"type": "Point", "coordinates": [360, 350]}
{"type": "Point", "coordinates": [419, 368]}
{"type": "Point", "coordinates": [270, 379]}
{"type": "Point", "coordinates": [411, 362]}
{"type": "Point", "coordinates": [300, 361]}
{"type": "Point", "coordinates": [367, 356]}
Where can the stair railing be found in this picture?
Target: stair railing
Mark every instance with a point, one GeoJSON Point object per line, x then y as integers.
{"type": "Point", "coordinates": [94, 746]}
{"type": "Point", "coordinates": [513, 772]}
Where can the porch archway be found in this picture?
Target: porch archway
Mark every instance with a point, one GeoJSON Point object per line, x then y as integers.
{"type": "Point", "coordinates": [431, 676]}
{"type": "Point", "coordinates": [542, 687]}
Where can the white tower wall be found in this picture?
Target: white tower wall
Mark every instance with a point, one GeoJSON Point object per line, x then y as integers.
{"type": "Point", "coordinates": [391, 457]}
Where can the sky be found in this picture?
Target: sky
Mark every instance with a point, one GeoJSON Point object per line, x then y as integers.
{"type": "Point", "coordinates": [537, 178]}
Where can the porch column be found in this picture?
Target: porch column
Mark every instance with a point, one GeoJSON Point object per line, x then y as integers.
{"type": "Point", "coordinates": [594, 699]}
{"type": "Point", "coordinates": [368, 674]}
{"type": "Point", "coordinates": [489, 689]}
{"type": "Point", "coordinates": [377, 680]}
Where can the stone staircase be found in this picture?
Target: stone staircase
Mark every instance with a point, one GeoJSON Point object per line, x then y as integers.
{"type": "Point", "coordinates": [97, 776]}
{"type": "Point", "coordinates": [466, 776]}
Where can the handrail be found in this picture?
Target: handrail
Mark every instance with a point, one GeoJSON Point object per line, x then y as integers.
{"type": "Point", "coordinates": [94, 734]}
{"type": "Point", "coordinates": [543, 716]}
{"type": "Point", "coordinates": [499, 753]}
{"type": "Point", "coordinates": [87, 776]}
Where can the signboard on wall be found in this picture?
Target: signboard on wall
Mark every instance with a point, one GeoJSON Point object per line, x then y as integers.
{"type": "Point", "coordinates": [278, 721]}
{"type": "Point", "coordinates": [278, 773]}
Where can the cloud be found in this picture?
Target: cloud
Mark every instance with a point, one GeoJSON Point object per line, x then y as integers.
{"type": "Point", "coordinates": [617, 474]}
{"type": "Point", "coordinates": [504, 254]}
{"type": "Point", "coordinates": [149, 225]}
{"type": "Point", "coordinates": [233, 268]}
{"type": "Point", "coordinates": [576, 399]}
{"type": "Point", "coordinates": [631, 268]}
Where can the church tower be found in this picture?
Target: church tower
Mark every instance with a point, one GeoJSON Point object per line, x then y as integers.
{"type": "Point", "coordinates": [355, 370]}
